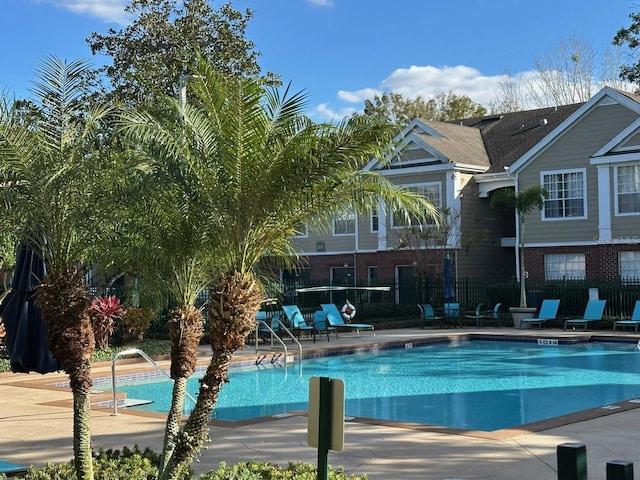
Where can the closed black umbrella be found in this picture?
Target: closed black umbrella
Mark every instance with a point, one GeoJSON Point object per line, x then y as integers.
{"type": "Point", "coordinates": [448, 292]}
{"type": "Point", "coordinates": [26, 333]}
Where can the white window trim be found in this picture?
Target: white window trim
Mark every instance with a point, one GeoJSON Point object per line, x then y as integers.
{"type": "Point", "coordinates": [584, 196]}
{"type": "Point", "coordinates": [374, 213]}
{"type": "Point", "coordinates": [438, 207]}
{"type": "Point", "coordinates": [304, 234]}
{"type": "Point", "coordinates": [621, 253]}
{"type": "Point", "coordinates": [546, 276]}
{"type": "Point", "coordinates": [615, 193]}
{"type": "Point", "coordinates": [353, 216]}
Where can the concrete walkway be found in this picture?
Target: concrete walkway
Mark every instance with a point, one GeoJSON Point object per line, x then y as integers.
{"type": "Point", "coordinates": [36, 427]}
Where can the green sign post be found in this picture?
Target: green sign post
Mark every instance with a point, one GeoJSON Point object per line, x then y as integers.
{"type": "Point", "coordinates": [325, 429]}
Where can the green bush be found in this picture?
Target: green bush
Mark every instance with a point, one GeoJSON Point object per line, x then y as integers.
{"type": "Point", "coordinates": [153, 348]}
{"type": "Point", "coordinates": [129, 464]}
{"type": "Point", "coordinates": [142, 465]}
{"type": "Point", "coordinates": [265, 471]}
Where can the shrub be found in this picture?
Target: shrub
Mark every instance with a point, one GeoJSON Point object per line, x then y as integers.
{"type": "Point", "coordinates": [129, 464]}
{"type": "Point", "coordinates": [104, 312]}
{"type": "Point", "coordinates": [136, 322]}
{"type": "Point", "coordinates": [266, 471]}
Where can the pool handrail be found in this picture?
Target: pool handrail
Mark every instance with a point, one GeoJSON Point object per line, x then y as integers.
{"type": "Point", "coordinates": [135, 351]}
{"type": "Point", "coordinates": [274, 334]}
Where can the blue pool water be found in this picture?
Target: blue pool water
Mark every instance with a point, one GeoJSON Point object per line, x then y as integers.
{"type": "Point", "coordinates": [478, 385]}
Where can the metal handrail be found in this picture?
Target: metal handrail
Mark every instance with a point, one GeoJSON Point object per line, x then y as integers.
{"type": "Point", "coordinates": [135, 351]}
{"type": "Point", "coordinates": [274, 334]}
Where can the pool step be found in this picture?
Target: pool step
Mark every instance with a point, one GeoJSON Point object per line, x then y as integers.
{"type": "Point", "coordinates": [132, 402]}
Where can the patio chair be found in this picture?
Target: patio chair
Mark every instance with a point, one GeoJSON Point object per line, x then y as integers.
{"type": "Point", "coordinates": [592, 313]}
{"type": "Point", "coordinates": [297, 322]}
{"type": "Point", "coordinates": [274, 322]}
{"type": "Point", "coordinates": [427, 315]}
{"type": "Point", "coordinates": [492, 316]}
{"type": "Point", "coordinates": [634, 321]}
{"type": "Point", "coordinates": [336, 321]}
{"type": "Point", "coordinates": [476, 315]}
{"type": "Point", "coordinates": [548, 311]}
{"type": "Point", "coordinates": [321, 324]}
{"type": "Point", "coordinates": [452, 311]}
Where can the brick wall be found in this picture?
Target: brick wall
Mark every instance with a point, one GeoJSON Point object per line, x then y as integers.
{"type": "Point", "coordinates": [601, 261]}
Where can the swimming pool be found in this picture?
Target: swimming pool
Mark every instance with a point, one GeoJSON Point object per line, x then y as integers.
{"type": "Point", "coordinates": [476, 385]}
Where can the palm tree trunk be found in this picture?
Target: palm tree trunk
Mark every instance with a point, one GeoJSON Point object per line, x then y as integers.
{"type": "Point", "coordinates": [233, 304]}
{"type": "Point", "coordinates": [523, 271]}
{"type": "Point", "coordinates": [185, 330]}
{"type": "Point", "coordinates": [83, 460]}
{"type": "Point", "coordinates": [64, 301]}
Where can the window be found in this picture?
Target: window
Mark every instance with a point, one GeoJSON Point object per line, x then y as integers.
{"type": "Point", "coordinates": [375, 219]}
{"type": "Point", "coordinates": [301, 231]}
{"type": "Point", "coordinates": [344, 224]}
{"type": "Point", "coordinates": [430, 191]}
{"type": "Point", "coordinates": [628, 189]}
{"type": "Point", "coordinates": [629, 263]}
{"type": "Point", "coordinates": [560, 266]}
{"type": "Point", "coordinates": [566, 194]}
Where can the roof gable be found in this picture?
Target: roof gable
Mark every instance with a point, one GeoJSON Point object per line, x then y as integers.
{"type": "Point", "coordinates": [606, 96]}
{"type": "Point", "coordinates": [621, 146]}
{"type": "Point", "coordinates": [426, 143]}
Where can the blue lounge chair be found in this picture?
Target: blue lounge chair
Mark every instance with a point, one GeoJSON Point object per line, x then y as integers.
{"type": "Point", "coordinates": [297, 322]}
{"type": "Point", "coordinates": [548, 311]}
{"type": "Point", "coordinates": [321, 324]}
{"type": "Point", "coordinates": [427, 315]}
{"type": "Point", "coordinates": [592, 313]}
{"type": "Point", "coordinates": [12, 469]}
{"type": "Point", "coordinates": [633, 322]}
{"type": "Point", "coordinates": [335, 320]}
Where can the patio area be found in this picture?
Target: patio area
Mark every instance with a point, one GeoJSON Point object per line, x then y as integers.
{"type": "Point", "coordinates": [36, 428]}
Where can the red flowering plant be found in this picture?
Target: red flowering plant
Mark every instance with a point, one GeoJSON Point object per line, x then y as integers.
{"type": "Point", "coordinates": [104, 312]}
{"type": "Point", "coordinates": [3, 340]}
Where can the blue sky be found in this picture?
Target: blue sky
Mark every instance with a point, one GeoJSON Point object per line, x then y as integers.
{"type": "Point", "coordinates": [344, 51]}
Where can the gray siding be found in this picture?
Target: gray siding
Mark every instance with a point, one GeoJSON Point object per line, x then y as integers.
{"type": "Point", "coordinates": [572, 151]}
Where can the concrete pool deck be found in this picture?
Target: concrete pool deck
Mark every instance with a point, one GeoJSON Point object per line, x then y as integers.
{"type": "Point", "coordinates": [36, 428]}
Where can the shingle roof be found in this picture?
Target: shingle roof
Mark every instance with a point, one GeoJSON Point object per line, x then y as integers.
{"type": "Point", "coordinates": [461, 144]}
{"type": "Point", "coordinates": [509, 136]}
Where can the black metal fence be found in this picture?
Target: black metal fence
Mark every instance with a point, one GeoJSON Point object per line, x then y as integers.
{"type": "Point", "coordinates": [400, 300]}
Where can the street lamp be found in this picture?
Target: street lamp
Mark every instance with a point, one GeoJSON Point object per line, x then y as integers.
{"type": "Point", "coordinates": [182, 84]}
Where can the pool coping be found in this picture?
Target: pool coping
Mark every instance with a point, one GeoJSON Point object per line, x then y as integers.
{"type": "Point", "coordinates": [243, 359]}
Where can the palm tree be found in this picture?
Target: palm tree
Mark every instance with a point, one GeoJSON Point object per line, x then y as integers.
{"type": "Point", "coordinates": [523, 202]}
{"type": "Point", "coordinates": [53, 172]}
{"type": "Point", "coordinates": [164, 245]}
{"type": "Point", "coordinates": [261, 168]}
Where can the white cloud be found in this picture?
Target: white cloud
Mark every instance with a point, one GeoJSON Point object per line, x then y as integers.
{"type": "Point", "coordinates": [324, 112]}
{"type": "Point", "coordinates": [106, 10]}
{"type": "Point", "coordinates": [320, 3]}
{"type": "Point", "coordinates": [426, 81]}
{"type": "Point", "coordinates": [359, 96]}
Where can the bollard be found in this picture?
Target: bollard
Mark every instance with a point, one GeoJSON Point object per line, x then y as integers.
{"type": "Point", "coordinates": [619, 470]}
{"type": "Point", "coordinates": [572, 461]}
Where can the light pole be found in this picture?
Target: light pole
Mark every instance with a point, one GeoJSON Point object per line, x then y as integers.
{"type": "Point", "coordinates": [182, 85]}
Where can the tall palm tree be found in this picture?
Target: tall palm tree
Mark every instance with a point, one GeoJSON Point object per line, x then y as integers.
{"type": "Point", "coordinates": [522, 202]}
{"type": "Point", "coordinates": [53, 172]}
{"type": "Point", "coordinates": [261, 168]}
{"type": "Point", "coordinates": [165, 246]}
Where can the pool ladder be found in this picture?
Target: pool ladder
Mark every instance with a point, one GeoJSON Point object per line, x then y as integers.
{"type": "Point", "coordinates": [135, 351]}
{"type": "Point", "coordinates": [276, 336]}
